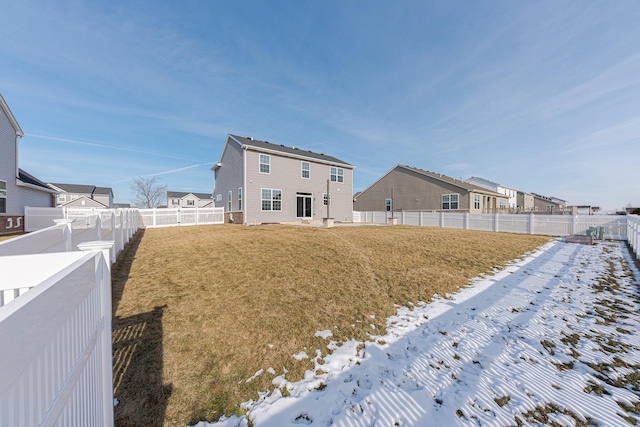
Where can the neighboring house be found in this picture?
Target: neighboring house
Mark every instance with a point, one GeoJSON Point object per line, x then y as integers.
{"type": "Point", "coordinates": [543, 204]}
{"type": "Point", "coordinates": [121, 205]}
{"type": "Point", "coordinates": [85, 196]}
{"type": "Point", "coordinates": [177, 199]}
{"type": "Point", "coordinates": [510, 193]}
{"type": "Point", "coordinates": [17, 187]}
{"type": "Point", "coordinates": [405, 188]}
{"type": "Point", "coordinates": [584, 210]}
{"type": "Point", "coordinates": [260, 182]}
{"type": "Point", "coordinates": [525, 202]}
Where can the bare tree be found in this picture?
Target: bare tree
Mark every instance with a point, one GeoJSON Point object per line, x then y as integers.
{"type": "Point", "coordinates": [148, 192]}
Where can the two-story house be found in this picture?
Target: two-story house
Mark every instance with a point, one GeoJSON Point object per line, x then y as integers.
{"type": "Point", "coordinates": [180, 199]}
{"type": "Point", "coordinates": [260, 182]}
{"type": "Point", "coordinates": [511, 199]}
{"type": "Point", "coordinates": [406, 188]}
{"type": "Point", "coordinates": [17, 188]}
{"type": "Point", "coordinates": [83, 196]}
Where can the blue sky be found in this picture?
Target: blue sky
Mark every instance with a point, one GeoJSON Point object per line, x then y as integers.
{"type": "Point", "coordinates": [542, 96]}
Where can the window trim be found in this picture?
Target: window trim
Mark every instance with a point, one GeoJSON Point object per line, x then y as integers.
{"type": "Point", "coordinates": [267, 157]}
{"type": "Point", "coordinates": [239, 198]}
{"type": "Point", "coordinates": [229, 200]}
{"type": "Point", "coordinates": [3, 196]}
{"type": "Point", "coordinates": [307, 170]}
{"type": "Point", "coordinates": [275, 196]}
{"type": "Point", "coordinates": [476, 201]}
{"type": "Point", "coordinates": [191, 202]}
{"type": "Point", "coordinates": [336, 174]}
{"type": "Point", "coordinates": [325, 198]}
{"type": "Point", "coordinates": [387, 205]}
{"type": "Point", "coordinates": [449, 202]}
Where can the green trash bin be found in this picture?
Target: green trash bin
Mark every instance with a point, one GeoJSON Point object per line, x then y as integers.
{"type": "Point", "coordinates": [601, 233]}
{"type": "Point", "coordinates": [591, 232]}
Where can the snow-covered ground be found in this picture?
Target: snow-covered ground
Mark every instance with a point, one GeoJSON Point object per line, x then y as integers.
{"type": "Point", "coordinates": [551, 338]}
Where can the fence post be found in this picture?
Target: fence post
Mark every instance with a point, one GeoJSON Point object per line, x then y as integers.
{"type": "Point", "coordinates": [402, 217]}
{"type": "Point", "coordinates": [99, 226]}
{"type": "Point", "coordinates": [67, 233]}
{"type": "Point", "coordinates": [103, 279]}
{"type": "Point", "coordinates": [154, 217]}
{"type": "Point", "coordinates": [531, 224]}
{"type": "Point", "coordinates": [121, 231]}
{"type": "Point", "coordinates": [442, 219]}
{"type": "Point", "coordinates": [197, 215]}
{"type": "Point", "coordinates": [420, 220]}
{"type": "Point", "coordinates": [496, 222]}
{"type": "Point", "coordinates": [574, 225]}
{"type": "Point", "coordinates": [466, 220]}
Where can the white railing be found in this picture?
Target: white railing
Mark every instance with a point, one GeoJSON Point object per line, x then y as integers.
{"type": "Point", "coordinates": [55, 355]}
{"type": "Point", "coordinates": [172, 217]}
{"type": "Point", "coordinates": [615, 227]}
{"type": "Point", "coordinates": [67, 233]}
{"type": "Point", "coordinates": [633, 233]}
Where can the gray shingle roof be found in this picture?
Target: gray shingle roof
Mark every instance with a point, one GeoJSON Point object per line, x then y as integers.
{"type": "Point", "coordinates": [288, 150]}
{"type": "Point", "coordinates": [181, 194]}
{"type": "Point", "coordinates": [27, 178]}
{"type": "Point", "coordinates": [83, 189]}
{"type": "Point", "coordinates": [453, 181]}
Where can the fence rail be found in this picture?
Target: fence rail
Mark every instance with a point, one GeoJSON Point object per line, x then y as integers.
{"type": "Point", "coordinates": [615, 227]}
{"type": "Point", "coordinates": [172, 217]}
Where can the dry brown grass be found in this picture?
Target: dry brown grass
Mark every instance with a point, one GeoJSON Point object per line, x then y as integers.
{"type": "Point", "coordinates": [11, 236]}
{"type": "Point", "coordinates": [200, 309]}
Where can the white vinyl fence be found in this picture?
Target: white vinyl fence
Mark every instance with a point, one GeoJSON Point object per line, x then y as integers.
{"type": "Point", "coordinates": [615, 227]}
{"type": "Point", "coordinates": [55, 355]}
{"type": "Point", "coordinates": [172, 217]}
{"type": "Point", "coordinates": [633, 233]}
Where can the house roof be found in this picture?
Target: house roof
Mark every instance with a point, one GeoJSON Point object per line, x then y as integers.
{"type": "Point", "coordinates": [5, 109]}
{"type": "Point", "coordinates": [31, 181]}
{"type": "Point", "coordinates": [465, 185]}
{"type": "Point", "coordinates": [181, 194]}
{"type": "Point", "coordinates": [265, 145]}
{"type": "Point", "coordinates": [87, 202]}
{"type": "Point", "coordinates": [82, 189]}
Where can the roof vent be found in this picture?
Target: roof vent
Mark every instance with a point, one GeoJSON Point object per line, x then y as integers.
{"type": "Point", "coordinates": [250, 138]}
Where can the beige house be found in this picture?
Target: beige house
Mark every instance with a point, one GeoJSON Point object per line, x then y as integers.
{"type": "Point", "coordinates": [260, 182]}
{"type": "Point", "coordinates": [17, 187]}
{"type": "Point", "coordinates": [549, 205]}
{"type": "Point", "coordinates": [84, 196]}
{"type": "Point", "coordinates": [179, 199]}
{"type": "Point", "coordinates": [405, 188]}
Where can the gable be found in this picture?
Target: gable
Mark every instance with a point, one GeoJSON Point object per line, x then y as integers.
{"type": "Point", "coordinates": [5, 111]}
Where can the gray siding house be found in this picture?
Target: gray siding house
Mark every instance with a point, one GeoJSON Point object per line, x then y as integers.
{"type": "Point", "coordinates": [260, 182]}
{"type": "Point", "coordinates": [17, 187]}
{"type": "Point", "coordinates": [83, 196]}
{"type": "Point", "coordinates": [180, 199]}
{"type": "Point", "coordinates": [405, 188]}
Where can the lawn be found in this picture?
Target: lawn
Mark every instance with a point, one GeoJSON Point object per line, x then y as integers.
{"type": "Point", "coordinates": [199, 310]}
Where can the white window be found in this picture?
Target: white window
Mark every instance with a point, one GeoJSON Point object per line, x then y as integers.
{"type": "Point", "coordinates": [476, 201]}
{"type": "Point", "coordinates": [326, 199]}
{"type": "Point", "coordinates": [265, 163]}
{"type": "Point", "coordinates": [191, 202]}
{"type": "Point", "coordinates": [550, 208]}
{"type": "Point", "coordinates": [450, 201]}
{"type": "Point", "coordinates": [218, 197]}
{"type": "Point", "coordinates": [306, 170]}
{"type": "Point", "coordinates": [503, 203]}
{"type": "Point", "coordinates": [62, 198]}
{"type": "Point", "coordinates": [3, 196]}
{"type": "Point", "coordinates": [387, 205]}
{"type": "Point", "coordinates": [229, 200]}
{"type": "Point", "coordinates": [337, 174]}
{"type": "Point", "coordinates": [74, 196]}
{"type": "Point", "coordinates": [175, 202]}
{"type": "Point", "coordinates": [271, 200]}
{"type": "Point", "coordinates": [240, 198]}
